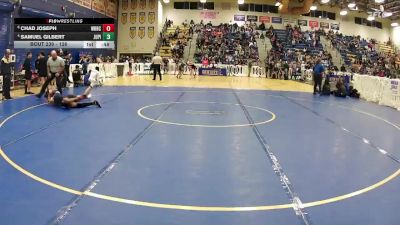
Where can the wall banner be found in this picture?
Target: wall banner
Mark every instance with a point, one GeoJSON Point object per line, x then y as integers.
{"type": "Point", "coordinates": [313, 23]}
{"type": "Point", "coordinates": [264, 19]}
{"type": "Point", "coordinates": [252, 18]}
{"type": "Point", "coordinates": [324, 25]}
{"type": "Point", "coordinates": [239, 18]}
{"type": "Point", "coordinates": [335, 26]}
{"type": "Point", "coordinates": [302, 23]}
{"type": "Point", "coordinates": [277, 20]}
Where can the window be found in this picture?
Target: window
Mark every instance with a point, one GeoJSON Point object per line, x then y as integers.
{"type": "Point", "coordinates": [321, 14]}
{"type": "Point", "coordinates": [258, 8]}
{"type": "Point", "coordinates": [194, 5]}
{"type": "Point", "coordinates": [244, 7]}
{"type": "Point", "coordinates": [365, 22]}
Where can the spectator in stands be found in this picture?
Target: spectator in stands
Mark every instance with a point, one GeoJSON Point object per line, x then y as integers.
{"type": "Point", "coordinates": [343, 68]}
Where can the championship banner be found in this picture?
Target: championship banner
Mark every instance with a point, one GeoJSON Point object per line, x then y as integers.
{"type": "Point", "coordinates": [111, 8]}
{"type": "Point", "coordinates": [142, 4]}
{"type": "Point", "coordinates": [142, 32]}
{"type": "Point", "coordinates": [239, 18]}
{"type": "Point", "coordinates": [313, 23]}
{"type": "Point", "coordinates": [335, 26]}
{"type": "Point", "coordinates": [99, 6]}
{"type": "Point", "coordinates": [124, 4]}
{"type": "Point", "coordinates": [252, 18]}
{"type": "Point", "coordinates": [132, 32]}
{"type": "Point", "coordinates": [142, 17]}
{"type": "Point", "coordinates": [151, 17]}
{"type": "Point", "coordinates": [264, 19]}
{"type": "Point", "coordinates": [208, 15]}
{"type": "Point", "coordinates": [134, 4]}
{"type": "Point", "coordinates": [132, 18]}
{"type": "Point", "coordinates": [152, 4]}
{"type": "Point", "coordinates": [277, 20]}
{"type": "Point", "coordinates": [302, 23]}
{"type": "Point", "coordinates": [150, 32]}
{"type": "Point", "coordinates": [324, 25]}
{"type": "Point", "coordinates": [84, 3]}
{"type": "Point", "coordinates": [124, 18]}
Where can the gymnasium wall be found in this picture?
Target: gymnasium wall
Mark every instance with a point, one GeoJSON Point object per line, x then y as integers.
{"type": "Point", "coordinates": [137, 26]}
{"type": "Point", "coordinates": [396, 36]}
{"type": "Point", "coordinates": [225, 11]}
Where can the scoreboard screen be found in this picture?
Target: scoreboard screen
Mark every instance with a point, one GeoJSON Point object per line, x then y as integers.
{"type": "Point", "coordinates": [38, 33]}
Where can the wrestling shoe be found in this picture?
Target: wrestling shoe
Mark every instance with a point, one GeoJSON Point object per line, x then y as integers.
{"type": "Point", "coordinates": [96, 103]}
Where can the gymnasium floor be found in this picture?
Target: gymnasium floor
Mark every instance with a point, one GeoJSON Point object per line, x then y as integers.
{"type": "Point", "coordinates": [246, 151]}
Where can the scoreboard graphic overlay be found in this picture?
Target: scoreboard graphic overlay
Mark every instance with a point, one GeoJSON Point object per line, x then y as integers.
{"type": "Point", "coordinates": [93, 33]}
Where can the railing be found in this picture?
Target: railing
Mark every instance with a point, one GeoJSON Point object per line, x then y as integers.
{"type": "Point", "coordinates": [159, 39]}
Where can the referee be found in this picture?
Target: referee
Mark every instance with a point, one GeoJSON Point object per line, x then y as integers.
{"type": "Point", "coordinates": [5, 71]}
{"type": "Point", "coordinates": [55, 68]}
{"type": "Point", "coordinates": [156, 63]}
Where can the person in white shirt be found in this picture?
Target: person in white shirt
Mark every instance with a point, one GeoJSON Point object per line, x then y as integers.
{"type": "Point", "coordinates": [94, 77]}
{"type": "Point", "coordinates": [156, 63]}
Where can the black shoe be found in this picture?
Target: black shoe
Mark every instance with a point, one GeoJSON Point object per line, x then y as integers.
{"type": "Point", "coordinates": [154, 79]}
{"type": "Point", "coordinates": [9, 98]}
{"type": "Point", "coordinates": [96, 103]}
{"type": "Point", "coordinates": [38, 95]}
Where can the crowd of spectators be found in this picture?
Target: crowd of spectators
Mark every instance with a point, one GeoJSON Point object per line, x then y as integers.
{"type": "Point", "coordinates": [294, 54]}
{"type": "Point", "coordinates": [362, 56]}
{"type": "Point", "coordinates": [226, 44]}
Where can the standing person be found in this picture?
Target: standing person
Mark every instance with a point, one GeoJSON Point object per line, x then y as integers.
{"type": "Point", "coordinates": [41, 67]}
{"type": "Point", "coordinates": [318, 73]}
{"type": "Point", "coordinates": [55, 69]}
{"type": "Point", "coordinates": [5, 71]}
{"type": "Point", "coordinates": [67, 62]}
{"type": "Point", "coordinates": [156, 63]}
{"type": "Point", "coordinates": [28, 73]}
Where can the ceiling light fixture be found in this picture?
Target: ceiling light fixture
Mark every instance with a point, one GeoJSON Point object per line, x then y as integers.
{"type": "Point", "coordinates": [351, 5]}
{"type": "Point", "coordinates": [325, 1]}
{"type": "Point", "coordinates": [240, 2]}
{"type": "Point", "coordinates": [343, 12]}
{"type": "Point", "coordinates": [313, 7]}
{"type": "Point", "coordinates": [371, 18]}
{"type": "Point", "coordinates": [394, 24]}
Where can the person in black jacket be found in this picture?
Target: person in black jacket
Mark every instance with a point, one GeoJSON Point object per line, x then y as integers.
{"type": "Point", "coordinates": [41, 67]}
{"type": "Point", "coordinates": [28, 73]}
{"type": "Point", "coordinates": [5, 71]}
